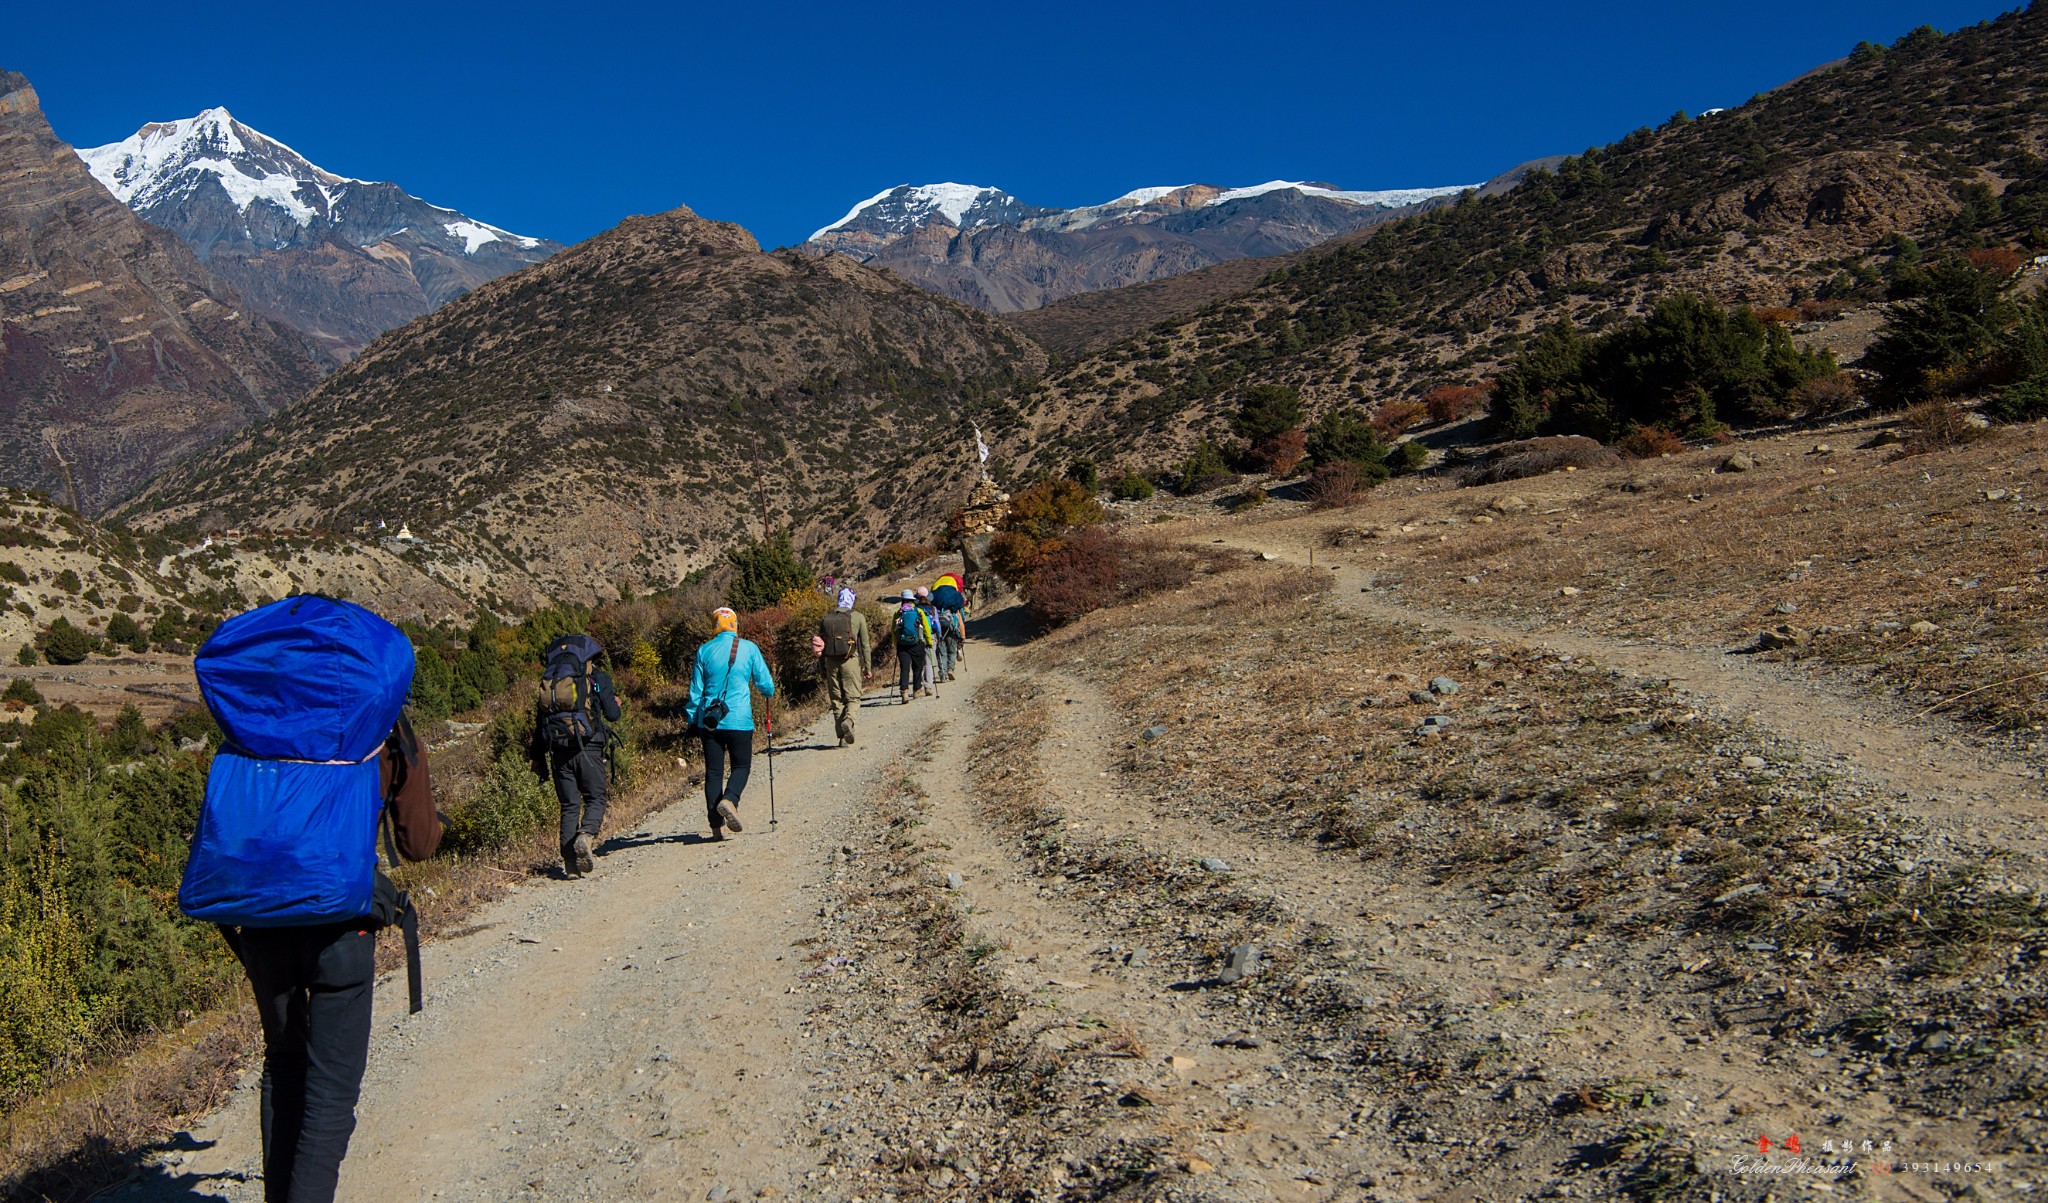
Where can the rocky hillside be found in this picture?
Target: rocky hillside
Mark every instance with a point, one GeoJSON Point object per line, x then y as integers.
{"type": "Point", "coordinates": [600, 417]}
{"type": "Point", "coordinates": [119, 351]}
{"type": "Point", "coordinates": [341, 259]}
{"type": "Point", "coordinates": [1795, 196]}
{"type": "Point", "coordinates": [987, 248]}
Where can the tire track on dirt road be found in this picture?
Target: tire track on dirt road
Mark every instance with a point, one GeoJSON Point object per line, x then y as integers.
{"type": "Point", "coordinates": [1974, 791]}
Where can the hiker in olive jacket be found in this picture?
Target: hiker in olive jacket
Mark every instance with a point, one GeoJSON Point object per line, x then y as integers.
{"type": "Point", "coordinates": [845, 658]}
{"type": "Point", "coordinates": [721, 709]}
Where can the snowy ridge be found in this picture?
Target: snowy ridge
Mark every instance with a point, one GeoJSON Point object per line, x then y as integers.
{"type": "Point", "coordinates": [1145, 196]}
{"type": "Point", "coordinates": [911, 206]}
{"type": "Point", "coordinates": [1391, 198]}
{"type": "Point", "coordinates": [920, 202]}
{"type": "Point", "coordinates": [164, 161]}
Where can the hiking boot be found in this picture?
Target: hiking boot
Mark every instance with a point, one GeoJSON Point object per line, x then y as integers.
{"type": "Point", "coordinates": [731, 815]}
{"type": "Point", "coordinates": [718, 835]}
{"type": "Point", "coordinates": [581, 850]}
{"type": "Point", "coordinates": [903, 698]}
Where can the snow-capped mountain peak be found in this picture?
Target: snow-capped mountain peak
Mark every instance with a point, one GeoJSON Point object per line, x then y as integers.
{"type": "Point", "coordinates": [909, 206]}
{"type": "Point", "coordinates": [342, 259]}
{"type": "Point", "coordinates": [164, 157]}
{"type": "Point", "coordinates": [281, 198]}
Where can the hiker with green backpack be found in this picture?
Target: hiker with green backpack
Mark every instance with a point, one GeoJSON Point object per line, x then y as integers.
{"type": "Point", "coordinates": [721, 709]}
{"type": "Point", "coordinates": [913, 636]}
{"type": "Point", "coordinates": [577, 706]}
{"type": "Point", "coordinates": [317, 755]}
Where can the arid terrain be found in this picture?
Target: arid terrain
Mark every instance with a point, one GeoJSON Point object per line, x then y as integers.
{"type": "Point", "coordinates": [1346, 880]}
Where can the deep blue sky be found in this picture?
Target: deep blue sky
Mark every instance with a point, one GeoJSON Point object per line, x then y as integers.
{"type": "Point", "coordinates": [558, 120]}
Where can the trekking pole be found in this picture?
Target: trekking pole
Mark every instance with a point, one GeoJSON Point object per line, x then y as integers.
{"type": "Point", "coordinates": [770, 703]}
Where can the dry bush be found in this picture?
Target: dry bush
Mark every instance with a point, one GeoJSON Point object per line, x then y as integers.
{"type": "Point", "coordinates": [1078, 577]}
{"type": "Point", "coordinates": [1333, 485]}
{"type": "Point", "coordinates": [1394, 418]}
{"type": "Point", "coordinates": [1814, 310]}
{"type": "Point", "coordinates": [1824, 395]}
{"type": "Point", "coordinates": [1100, 566]}
{"type": "Point", "coordinates": [1999, 262]}
{"type": "Point", "coordinates": [1938, 425]}
{"type": "Point", "coordinates": [1453, 402]}
{"type": "Point", "coordinates": [1650, 442]}
{"type": "Point", "coordinates": [1776, 314]}
{"type": "Point", "coordinates": [1538, 457]}
{"type": "Point", "coordinates": [1281, 454]}
{"type": "Point", "coordinates": [901, 554]}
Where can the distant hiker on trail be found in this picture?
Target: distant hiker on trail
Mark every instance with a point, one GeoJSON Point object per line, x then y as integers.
{"type": "Point", "coordinates": [951, 603]}
{"type": "Point", "coordinates": [577, 705]}
{"type": "Point", "coordinates": [309, 694]}
{"type": "Point", "coordinates": [913, 636]}
{"type": "Point", "coordinates": [845, 659]}
{"type": "Point", "coordinates": [931, 618]}
{"type": "Point", "coordinates": [722, 711]}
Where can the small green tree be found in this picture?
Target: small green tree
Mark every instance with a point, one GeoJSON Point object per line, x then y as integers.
{"type": "Point", "coordinates": [121, 629]}
{"type": "Point", "coordinates": [68, 581]}
{"type": "Point", "coordinates": [1933, 343]}
{"type": "Point", "coordinates": [1204, 469]}
{"type": "Point", "coordinates": [1342, 436]}
{"type": "Point", "coordinates": [25, 655]}
{"type": "Point", "coordinates": [1265, 411]}
{"type": "Point", "coordinates": [764, 570]}
{"type": "Point", "coordinates": [23, 690]}
{"type": "Point", "coordinates": [1131, 487]}
{"type": "Point", "coordinates": [66, 644]}
{"type": "Point", "coordinates": [1084, 473]}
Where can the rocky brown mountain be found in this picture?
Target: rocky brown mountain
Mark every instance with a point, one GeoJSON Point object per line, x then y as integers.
{"type": "Point", "coordinates": [341, 259]}
{"type": "Point", "coordinates": [625, 411]}
{"type": "Point", "coordinates": [1816, 194]}
{"type": "Point", "coordinates": [119, 351]}
{"type": "Point", "coordinates": [987, 248]}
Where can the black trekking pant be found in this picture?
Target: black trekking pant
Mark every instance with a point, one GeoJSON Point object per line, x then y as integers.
{"type": "Point", "coordinates": [719, 747]}
{"type": "Point", "coordinates": [580, 786]}
{"type": "Point", "coordinates": [910, 668]}
{"type": "Point", "coordinates": [313, 988]}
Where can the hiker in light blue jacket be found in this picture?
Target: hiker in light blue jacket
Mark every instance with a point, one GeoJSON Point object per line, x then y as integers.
{"type": "Point", "coordinates": [721, 708]}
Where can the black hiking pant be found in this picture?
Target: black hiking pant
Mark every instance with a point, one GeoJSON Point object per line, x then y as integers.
{"type": "Point", "coordinates": [580, 788]}
{"type": "Point", "coordinates": [313, 988]}
{"type": "Point", "coordinates": [719, 748]}
{"type": "Point", "coordinates": [910, 666]}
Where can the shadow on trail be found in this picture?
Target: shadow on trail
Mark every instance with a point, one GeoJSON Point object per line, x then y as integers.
{"type": "Point", "coordinates": [785, 749]}
{"type": "Point", "coordinates": [1007, 627]}
{"type": "Point", "coordinates": [621, 843]}
{"type": "Point", "coordinates": [134, 1172]}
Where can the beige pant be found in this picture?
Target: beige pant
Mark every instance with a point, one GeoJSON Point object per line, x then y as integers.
{"type": "Point", "coordinates": [842, 690]}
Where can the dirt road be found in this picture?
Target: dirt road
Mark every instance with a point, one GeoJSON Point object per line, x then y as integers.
{"type": "Point", "coordinates": [631, 1035]}
{"type": "Point", "coordinates": [1886, 746]}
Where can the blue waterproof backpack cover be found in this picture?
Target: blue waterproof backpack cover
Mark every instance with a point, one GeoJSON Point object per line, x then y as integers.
{"type": "Point", "coordinates": [306, 690]}
{"type": "Point", "coordinates": [947, 597]}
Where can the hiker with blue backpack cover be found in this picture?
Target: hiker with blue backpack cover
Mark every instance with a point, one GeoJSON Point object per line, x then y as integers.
{"type": "Point", "coordinates": [317, 753]}
{"type": "Point", "coordinates": [721, 710]}
{"type": "Point", "coordinates": [577, 706]}
{"type": "Point", "coordinates": [949, 607]}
